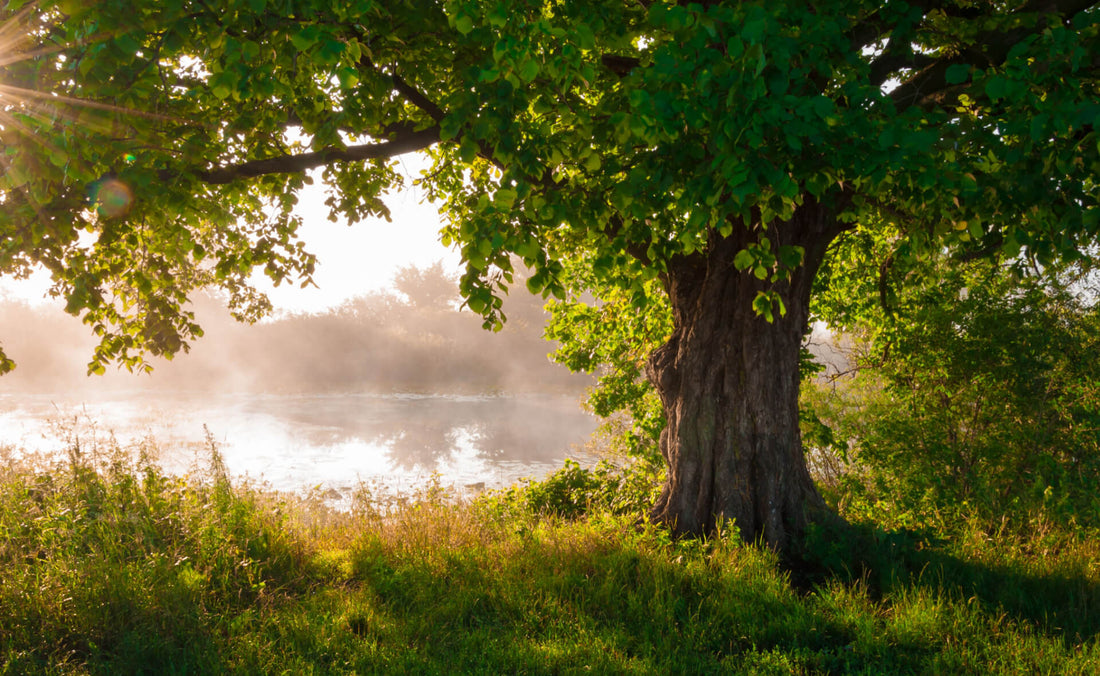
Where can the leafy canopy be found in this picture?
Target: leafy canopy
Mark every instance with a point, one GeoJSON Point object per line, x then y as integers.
{"type": "Point", "coordinates": [150, 148]}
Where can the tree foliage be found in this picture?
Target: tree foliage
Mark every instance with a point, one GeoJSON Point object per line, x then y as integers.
{"type": "Point", "coordinates": [609, 336]}
{"type": "Point", "coordinates": [151, 148]}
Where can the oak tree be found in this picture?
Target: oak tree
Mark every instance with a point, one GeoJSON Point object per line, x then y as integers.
{"type": "Point", "coordinates": [719, 148]}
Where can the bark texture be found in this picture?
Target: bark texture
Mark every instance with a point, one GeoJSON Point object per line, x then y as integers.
{"type": "Point", "coordinates": [729, 380]}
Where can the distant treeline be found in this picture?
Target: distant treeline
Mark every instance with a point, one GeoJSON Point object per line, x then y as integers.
{"type": "Point", "coordinates": [415, 339]}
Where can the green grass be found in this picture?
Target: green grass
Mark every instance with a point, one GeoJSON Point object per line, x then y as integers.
{"type": "Point", "coordinates": [110, 566]}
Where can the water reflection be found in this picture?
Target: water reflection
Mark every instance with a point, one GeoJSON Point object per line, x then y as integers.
{"type": "Point", "coordinates": [333, 441]}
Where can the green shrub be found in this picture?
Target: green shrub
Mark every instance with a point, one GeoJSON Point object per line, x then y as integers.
{"type": "Point", "coordinates": [986, 396]}
{"type": "Point", "coordinates": [574, 491]}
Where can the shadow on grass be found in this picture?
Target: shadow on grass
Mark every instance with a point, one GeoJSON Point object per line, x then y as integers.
{"type": "Point", "coordinates": [614, 609]}
{"type": "Point", "coordinates": [1053, 593]}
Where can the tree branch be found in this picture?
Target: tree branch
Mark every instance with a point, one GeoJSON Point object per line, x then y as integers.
{"type": "Point", "coordinates": [930, 87]}
{"type": "Point", "coordinates": [406, 140]}
{"type": "Point", "coordinates": [417, 98]}
{"type": "Point", "coordinates": [620, 65]}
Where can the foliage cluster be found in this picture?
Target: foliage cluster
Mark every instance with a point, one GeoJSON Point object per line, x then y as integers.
{"type": "Point", "coordinates": [574, 491]}
{"type": "Point", "coordinates": [983, 394]}
{"type": "Point", "coordinates": [612, 336]}
{"type": "Point", "coordinates": [623, 136]}
{"type": "Point", "coordinates": [112, 566]}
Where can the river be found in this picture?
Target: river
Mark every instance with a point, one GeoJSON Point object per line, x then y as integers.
{"type": "Point", "coordinates": [332, 443]}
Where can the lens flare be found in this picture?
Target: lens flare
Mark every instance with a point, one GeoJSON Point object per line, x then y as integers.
{"type": "Point", "coordinates": [111, 197]}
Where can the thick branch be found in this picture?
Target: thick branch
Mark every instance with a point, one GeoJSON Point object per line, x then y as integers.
{"type": "Point", "coordinates": [620, 65]}
{"type": "Point", "coordinates": [929, 86]}
{"type": "Point", "coordinates": [404, 142]}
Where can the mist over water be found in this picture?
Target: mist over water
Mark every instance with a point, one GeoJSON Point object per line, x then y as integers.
{"type": "Point", "coordinates": [387, 389]}
{"type": "Point", "coordinates": [334, 441]}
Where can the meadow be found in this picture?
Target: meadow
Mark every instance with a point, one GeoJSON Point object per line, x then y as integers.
{"type": "Point", "coordinates": [112, 566]}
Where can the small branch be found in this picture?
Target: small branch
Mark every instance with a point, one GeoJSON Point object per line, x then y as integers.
{"type": "Point", "coordinates": [993, 246]}
{"type": "Point", "coordinates": [884, 284]}
{"type": "Point", "coordinates": [887, 65]}
{"type": "Point", "coordinates": [640, 253]}
{"type": "Point", "coordinates": [417, 98]}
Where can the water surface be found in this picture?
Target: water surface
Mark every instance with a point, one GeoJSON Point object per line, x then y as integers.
{"type": "Point", "coordinates": [334, 442]}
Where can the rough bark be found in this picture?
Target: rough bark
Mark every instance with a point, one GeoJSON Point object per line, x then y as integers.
{"type": "Point", "coordinates": [728, 380]}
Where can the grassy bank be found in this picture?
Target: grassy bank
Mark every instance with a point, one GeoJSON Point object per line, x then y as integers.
{"type": "Point", "coordinates": [111, 566]}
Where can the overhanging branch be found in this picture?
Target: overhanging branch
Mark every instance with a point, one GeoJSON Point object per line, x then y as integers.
{"type": "Point", "coordinates": [404, 142]}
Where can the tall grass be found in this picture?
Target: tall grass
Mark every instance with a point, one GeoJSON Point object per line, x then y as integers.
{"type": "Point", "coordinates": [111, 566]}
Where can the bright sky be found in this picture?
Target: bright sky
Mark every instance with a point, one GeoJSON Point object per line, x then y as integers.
{"type": "Point", "coordinates": [352, 260]}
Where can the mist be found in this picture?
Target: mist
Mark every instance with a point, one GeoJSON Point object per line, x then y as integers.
{"type": "Point", "coordinates": [412, 339]}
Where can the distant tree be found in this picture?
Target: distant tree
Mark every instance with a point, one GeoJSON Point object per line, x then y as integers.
{"type": "Point", "coordinates": [427, 288]}
{"type": "Point", "coordinates": [151, 148]}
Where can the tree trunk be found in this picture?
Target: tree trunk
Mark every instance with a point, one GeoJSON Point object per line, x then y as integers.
{"type": "Point", "coordinates": [728, 380]}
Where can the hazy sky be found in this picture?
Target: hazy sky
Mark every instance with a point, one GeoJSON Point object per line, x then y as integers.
{"type": "Point", "coordinates": [352, 260]}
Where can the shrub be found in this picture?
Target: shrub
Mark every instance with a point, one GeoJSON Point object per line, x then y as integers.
{"type": "Point", "coordinates": [987, 395]}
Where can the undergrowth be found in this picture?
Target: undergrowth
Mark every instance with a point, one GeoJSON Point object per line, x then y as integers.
{"type": "Point", "coordinates": [112, 566]}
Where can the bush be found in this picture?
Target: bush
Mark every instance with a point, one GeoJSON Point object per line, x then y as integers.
{"type": "Point", "coordinates": [987, 395]}
{"type": "Point", "coordinates": [573, 491]}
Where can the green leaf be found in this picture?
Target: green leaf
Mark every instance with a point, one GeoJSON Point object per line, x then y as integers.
{"type": "Point", "coordinates": [762, 305]}
{"type": "Point", "coordinates": [744, 259]}
{"type": "Point", "coordinates": [128, 44]}
{"type": "Point", "coordinates": [464, 24]}
{"type": "Point", "coordinates": [823, 107]}
{"type": "Point", "coordinates": [476, 304]}
{"type": "Point", "coordinates": [791, 256]}
{"type": "Point", "coordinates": [753, 30]}
{"type": "Point", "coordinates": [528, 70]}
{"type": "Point", "coordinates": [498, 18]}
{"type": "Point", "coordinates": [957, 73]}
{"type": "Point", "coordinates": [305, 38]}
{"type": "Point", "coordinates": [331, 50]}
{"type": "Point", "coordinates": [996, 88]}
{"type": "Point", "coordinates": [505, 197]}
{"type": "Point", "coordinates": [735, 47]}
{"type": "Point", "coordinates": [349, 77]}
{"type": "Point", "coordinates": [584, 36]}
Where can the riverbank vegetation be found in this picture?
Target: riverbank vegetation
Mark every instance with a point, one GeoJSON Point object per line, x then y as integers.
{"type": "Point", "coordinates": [113, 566]}
{"type": "Point", "coordinates": [412, 338]}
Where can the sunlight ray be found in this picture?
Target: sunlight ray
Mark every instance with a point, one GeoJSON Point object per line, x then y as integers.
{"type": "Point", "coordinates": [14, 33]}
{"type": "Point", "coordinates": [27, 55]}
{"type": "Point", "coordinates": [94, 120]}
{"type": "Point", "coordinates": [73, 101]}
